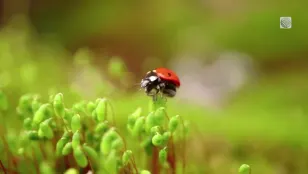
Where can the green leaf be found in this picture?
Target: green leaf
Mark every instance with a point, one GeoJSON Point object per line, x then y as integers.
{"type": "Point", "coordinates": [80, 157]}
{"type": "Point", "coordinates": [137, 113]}
{"type": "Point", "coordinates": [145, 172]}
{"type": "Point", "coordinates": [173, 123]}
{"type": "Point", "coordinates": [35, 105]}
{"type": "Point", "coordinates": [117, 144]}
{"type": "Point", "coordinates": [3, 101]}
{"type": "Point", "coordinates": [111, 162]}
{"type": "Point", "coordinates": [25, 103]}
{"type": "Point", "coordinates": [90, 107]}
{"type": "Point", "coordinates": [76, 139]}
{"type": "Point", "coordinates": [76, 122]}
{"type": "Point", "coordinates": [126, 157]}
{"type": "Point", "coordinates": [90, 152]}
{"type": "Point", "coordinates": [150, 122]}
{"type": "Point", "coordinates": [61, 143]}
{"type": "Point", "coordinates": [166, 136]}
{"type": "Point", "coordinates": [27, 123]}
{"type": "Point", "coordinates": [158, 139]}
{"type": "Point", "coordinates": [45, 168]}
{"type": "Point", "coordinates": [46, 129]}
{"type": "Point", "coordinates": [133, 117]}
{"type": "Point", "coordinates": [101, 127]}
{"type": "Point", "coordinates": [138, 127]}
{"type": "Point", "coordinates": [67, 149]}
{"type": "Point", "coordinates": [163, 156]}
{"type": "Point", "coordinates": [147, 145]}
{"type": "Point", "coordinates": [107, 140]}
{"type": "Point", "coordinates": [94, 115]}
{"type": "Point", "coordinates": [33, 135]}
{"type": "Point", "coordinates": [160, 114]}
{"type": "Point", "coordinates": [58, 105]}
{"type": "Point", "coordinates": [42, 113]}
{"type": "Point", "coordinates": [80, 107]}
{"type": "Point", "coordinates": [71, 171]}
{"type": "Point", "coordinates": [68, 115]}
{"type": "Point", "coordinates": [244, 169]}
{"type": "Point", "coordinates": [101, 109]}
{"type": "Point", "coordinates": [90, 137]}
{"type": "Point", "coordinates": [155, 129]}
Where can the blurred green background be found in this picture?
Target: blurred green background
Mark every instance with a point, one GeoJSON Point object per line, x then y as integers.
{"type": "Point", "coordinates": [67, 46]}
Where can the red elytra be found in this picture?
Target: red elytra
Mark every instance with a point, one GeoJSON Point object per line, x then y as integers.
{"type": "Point", "coordinates": [168, 75]}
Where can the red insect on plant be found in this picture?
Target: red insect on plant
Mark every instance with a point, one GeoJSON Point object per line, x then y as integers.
{"type": "Point", "coordinates": [160, 80]}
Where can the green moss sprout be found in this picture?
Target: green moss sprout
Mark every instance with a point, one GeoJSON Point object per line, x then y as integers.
{"type": "Point", "coordinates": [86, 138]}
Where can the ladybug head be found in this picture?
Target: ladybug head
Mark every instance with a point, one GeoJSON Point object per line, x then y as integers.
{"type": "Point", "coordinates": [153, 84]}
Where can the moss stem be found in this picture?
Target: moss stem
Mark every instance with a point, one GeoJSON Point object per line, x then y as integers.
{"type": "Point", "coordinates": [3, 168]}
{"type": "Point", "coordinates": [184, 146]}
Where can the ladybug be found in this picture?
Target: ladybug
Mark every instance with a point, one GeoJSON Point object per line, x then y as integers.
{"type": "Point", "coordinates": [160, 80]}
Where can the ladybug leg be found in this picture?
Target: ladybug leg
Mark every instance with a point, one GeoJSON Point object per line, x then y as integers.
{"type": "Point", "coordinates": [157, 92]}
{"type": "Point", "coordinates": [154, 92]}
{"type": "Point", "coordinates": [154, 97]}
{"type": "Point", "coordinates": [162, 88]}
{"type": "Point", "coordinates": [165, 98]}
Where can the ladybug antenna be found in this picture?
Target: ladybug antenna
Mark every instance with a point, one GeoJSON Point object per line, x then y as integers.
{"type": "Point", "coordinates": [154, 98]}
{"type": "Point", "coordinates": [136, 84]}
